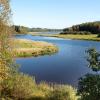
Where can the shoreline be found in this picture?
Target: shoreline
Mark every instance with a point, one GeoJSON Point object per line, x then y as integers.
{"type": "Point", "coordinates": [71, 37]}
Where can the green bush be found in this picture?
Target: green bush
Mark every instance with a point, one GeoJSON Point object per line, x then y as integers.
{"type": "Point", "coordinates": [89, 87]}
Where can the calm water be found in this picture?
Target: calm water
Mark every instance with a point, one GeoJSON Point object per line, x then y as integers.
{"type": "Point", "coordinates": [66, 66]}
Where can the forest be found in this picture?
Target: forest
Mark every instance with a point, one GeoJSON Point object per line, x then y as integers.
{"type": "Point", "coordinates": [84, 28]}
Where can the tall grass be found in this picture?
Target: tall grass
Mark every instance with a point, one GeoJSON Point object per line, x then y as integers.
{"type": "Point", "coordinates": [24, 87]}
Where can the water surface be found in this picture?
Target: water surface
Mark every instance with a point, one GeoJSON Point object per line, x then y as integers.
{"type": "Point", "coordinates": [64, 67]}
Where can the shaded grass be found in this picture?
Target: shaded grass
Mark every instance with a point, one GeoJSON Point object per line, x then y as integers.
{"type": "Point", "coordinates": [26, 48]}
{"type": "Point", "coordinates": [91, 37]}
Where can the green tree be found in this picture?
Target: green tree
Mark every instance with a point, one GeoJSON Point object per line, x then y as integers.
{"type": "Point", "coordinates": [20, 29]}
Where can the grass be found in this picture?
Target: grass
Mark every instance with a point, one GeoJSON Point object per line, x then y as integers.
{"type": "Point", "coordinates": [74, 37]}
{"type": "Point", "coordinates": [23, 87]}
{"type": "Point", "coordinates": [26, 48]}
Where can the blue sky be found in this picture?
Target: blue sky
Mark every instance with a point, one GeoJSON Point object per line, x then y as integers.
{"type": "Point", "coordinates": [54, 13]}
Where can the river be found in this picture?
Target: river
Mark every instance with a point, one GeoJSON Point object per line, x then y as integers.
{"type": "Point", "coordinates": [64, 67]}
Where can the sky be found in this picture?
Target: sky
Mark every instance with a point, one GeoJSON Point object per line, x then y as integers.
{"type": "Point", "coordinates": [54, 13]}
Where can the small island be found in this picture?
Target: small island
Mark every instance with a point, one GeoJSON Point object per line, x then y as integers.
{"type": "Point", "coordinates": [29, 48]}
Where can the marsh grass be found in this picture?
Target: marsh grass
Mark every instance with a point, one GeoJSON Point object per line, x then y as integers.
{"type": "Point", "coordinates": [91, 37]}
{"type": "Point", "coordinates": [26, 48]}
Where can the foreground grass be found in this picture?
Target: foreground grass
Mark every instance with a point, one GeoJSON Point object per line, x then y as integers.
{"type": "Point", "coordinates": [23, 87]}
{"type": "Point", "coordinates": [24, 48]}
{"type": "Point", "coordinates": [74, 37]}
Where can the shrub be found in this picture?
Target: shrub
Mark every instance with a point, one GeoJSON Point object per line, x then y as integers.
{"type": "Point", "coordinates": [89, 87]}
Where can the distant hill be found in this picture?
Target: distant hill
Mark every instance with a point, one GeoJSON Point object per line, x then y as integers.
{"type": "Point", "coordinates": [84, 28]}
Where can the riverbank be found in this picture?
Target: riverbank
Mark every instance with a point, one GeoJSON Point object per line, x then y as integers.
{"type": "Point", "coordinates": [74, 37]}
{"type": "Point", "coordinates": [27, 48]}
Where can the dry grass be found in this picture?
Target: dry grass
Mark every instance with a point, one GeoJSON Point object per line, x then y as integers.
{"type": "Point", "coordinates": [24, 48]}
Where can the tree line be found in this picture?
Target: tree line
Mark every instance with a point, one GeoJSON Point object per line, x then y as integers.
{"type": "Point", "coordinates": [20, 29]}
{"type": "Point", "coordinates": [23, 29]}
{"type": "Point", "coordinates": [84, 28]}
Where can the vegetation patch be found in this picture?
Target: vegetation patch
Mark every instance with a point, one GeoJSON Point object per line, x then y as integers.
{"type": "Point", "coordinates": [25, 48]}
{"type": "Point", "coordinates": [80, 37]}
{"type": "Point", "coordinates": [23, 87]}
{"type": "Point", "coordinates": [84, 28]}
{"type": "Point", "coordinates": [92, 37]}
